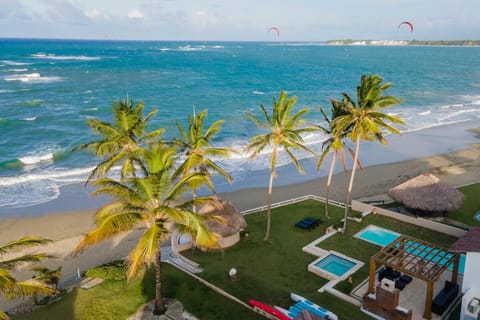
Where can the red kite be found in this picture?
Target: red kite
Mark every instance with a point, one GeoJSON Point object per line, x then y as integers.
{"type": "Point", "coordinates": [274, 28]}
{"type": "Point", "coordinates": [408, 24]}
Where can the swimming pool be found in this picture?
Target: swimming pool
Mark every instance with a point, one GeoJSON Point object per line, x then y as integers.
{"type": "Point", "coordinates": [477, 216]}
{"type": "Point", "coordinates": [334, 266]}
{"type": "Point", "coordinates": [377, 235]}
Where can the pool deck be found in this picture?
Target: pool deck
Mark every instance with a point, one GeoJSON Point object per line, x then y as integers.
{"type": "Point", "coordinates": [414, 294]}
{"type": "Point", "coordinates": [412, 297]}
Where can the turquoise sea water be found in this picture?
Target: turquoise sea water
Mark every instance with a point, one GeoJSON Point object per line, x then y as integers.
{"type": "Point", "coordinates": [48, 88]}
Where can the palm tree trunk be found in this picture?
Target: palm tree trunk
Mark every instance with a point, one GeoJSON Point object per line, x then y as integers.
{"type": "Point", "coordinates": [350, 185]}
{"type": "Point", "coordinates": [160, 307]}
{"type": "Point", "coordinates": [194, 207]}
{"type": "Point", "coordinates": [269, 201]}
{"type": "Point", "coordinates": [329, 182]}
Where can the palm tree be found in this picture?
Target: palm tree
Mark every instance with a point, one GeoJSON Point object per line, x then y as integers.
{"type": "Point", "coordinates": [120, 140]}
{"type": "Point", "coordinates": [9, 286]}
{"type": "Point", "coordinates": [195, 144]}
{"type": "Point", "coordinates": [284, 129]}
{"type": "Point", "coordinates": [154, 201]}
{"type": "Point", "coordinates": [366, 121]}
{"type": "Point", "coordinates": [48, 277]}
{"type": "Point", "coordinates": [335, 143]}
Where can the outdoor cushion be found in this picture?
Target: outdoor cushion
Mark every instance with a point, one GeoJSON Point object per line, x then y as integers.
{"type": "Point", "coordinates": [406, 278]}
{"type": "Point", "coordinates": [399, 284]}
{"type": "Point", "coordinates": [445, 297]}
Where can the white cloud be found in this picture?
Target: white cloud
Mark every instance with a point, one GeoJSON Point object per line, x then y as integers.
{"type": "Point", "coordinates": [92, 14]}
{"type": "Point", "coordinates": [204, 18]}
{"type": "Point", "coordinates": [136, 14]}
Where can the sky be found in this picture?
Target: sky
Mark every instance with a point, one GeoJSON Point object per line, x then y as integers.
{"type": "Point", "coordinates": [240, 20]}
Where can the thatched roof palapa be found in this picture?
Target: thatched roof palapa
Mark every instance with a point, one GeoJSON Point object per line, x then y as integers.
{"type": "Point", "coordinates": [234, 220]}
{"type": "Point", "coordinates": [427, 193]}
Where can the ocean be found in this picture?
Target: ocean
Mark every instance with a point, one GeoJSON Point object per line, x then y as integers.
{"type": "Point", "coordinates": [49, 88]}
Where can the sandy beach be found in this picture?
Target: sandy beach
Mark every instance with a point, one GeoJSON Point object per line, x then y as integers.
{"type": "Point", "coordinates": [457, 168]}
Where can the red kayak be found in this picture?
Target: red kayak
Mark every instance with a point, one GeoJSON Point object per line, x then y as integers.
{"type": "Point", "coordinates": [268, 309]}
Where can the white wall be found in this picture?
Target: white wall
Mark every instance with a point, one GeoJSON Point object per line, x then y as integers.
{"type": "Point", "coordinates": [470, 276]}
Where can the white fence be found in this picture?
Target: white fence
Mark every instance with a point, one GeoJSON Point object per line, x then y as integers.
{"type": "Point", "coordinates": [291, 201]}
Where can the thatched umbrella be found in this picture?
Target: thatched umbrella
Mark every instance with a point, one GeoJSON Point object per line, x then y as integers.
{"type": "Point", "coordinates": [234, 220]}
{"type": "Point", "coordinates": [427, 193]}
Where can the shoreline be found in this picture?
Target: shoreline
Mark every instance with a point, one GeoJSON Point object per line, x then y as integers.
{"type": "Point", "coordinates": [408, 146]}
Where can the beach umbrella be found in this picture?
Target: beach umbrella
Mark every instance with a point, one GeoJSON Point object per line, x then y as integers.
{"type": "Point", "coordinates": [234, 220]}
{"type": "Point", "coordinates": [427, 193]}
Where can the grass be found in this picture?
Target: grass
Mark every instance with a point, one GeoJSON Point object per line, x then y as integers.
{"type": "Point", "coordinates": [471, 206]}
{"type": "Point", "coordinates": [117, 299]}
{"type": "Point", "coordinates": [268, 272]}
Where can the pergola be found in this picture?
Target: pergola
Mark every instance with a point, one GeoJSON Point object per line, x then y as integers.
{"type": "Point", "coordinates": [416, 258]}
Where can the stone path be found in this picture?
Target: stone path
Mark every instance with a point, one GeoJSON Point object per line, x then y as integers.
{"type": "Point", "coordinates": [169, 256]}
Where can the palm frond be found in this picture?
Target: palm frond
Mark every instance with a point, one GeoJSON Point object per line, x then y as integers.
{"type": "Point", "coordinates": [24, 259]}
{"type": "Point", "coordinates": [146, 250]}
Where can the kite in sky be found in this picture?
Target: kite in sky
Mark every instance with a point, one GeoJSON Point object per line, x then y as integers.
{"type": "Point", "coordinates": [406, 23]}
{"type": "Point", "coordinates": [274, 28]}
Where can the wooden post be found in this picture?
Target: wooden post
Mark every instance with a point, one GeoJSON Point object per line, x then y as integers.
{"type": "Point", "coordinates": [427, 314]}
{"type": "Point", "coordinates": [455, 268]}
{"type": "Point", "coordinates": [371, 276]}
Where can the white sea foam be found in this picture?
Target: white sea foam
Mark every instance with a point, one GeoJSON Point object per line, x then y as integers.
{"type": "Point", "coordinates": [29, 160]}
{"type": "Point", "coordinates": [77, 175]}
{"type": "Point", "coordinates": [258, 92]}
{"type": "Point", "coordinates": [476, 102]}
{"type": "Point", "coordinates": [454, 114]}
{"type": "Point", "coordinates": [424, 113]}
{"type": "Point", "coordinates": [30, 119]}
{"type": "Point", "coordinates": [457, 105]}
{"type": "Point", "coordinates": [17, 70]}
{"type": "Point", "coordinates": [61, 57]}
{"type": "Point", "coordinates": [32, 78]}
{"type": "Point", "coordinates": [14, 63]}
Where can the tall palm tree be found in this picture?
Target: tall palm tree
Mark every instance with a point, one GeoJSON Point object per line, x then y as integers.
{"type": "Point", "coordinates": [366, 121]}
{"type": "Point", "coordinates": [9, 286]}
{"type": "Point", "coordinates": [120, 140]}
{"type": "Point", "coordinates": [335, 143]}
{"type": "Point", "coordinates": [284, 128]}
{"type": "Point", "coordinates": [195, 144]}
{"type": "Point", "coordinates": [154, 201]}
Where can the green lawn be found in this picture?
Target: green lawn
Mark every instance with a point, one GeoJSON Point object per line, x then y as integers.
{"type": "Point", "coordinates": [268, 272]}
{"type": "Point", "coordinates": [470, 207]}
{"type": "Point", "coordinates": [119, 300]}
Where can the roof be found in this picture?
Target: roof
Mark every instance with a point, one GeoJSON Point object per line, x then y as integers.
{"type": "Point", "coordinates": [233, 219]}
{"type": "Point", "coordinates": [427, 193]}
{"type": "Point", "coordinates": [415, 257]}
{"type": "Point", "coordinates": [469, 242]}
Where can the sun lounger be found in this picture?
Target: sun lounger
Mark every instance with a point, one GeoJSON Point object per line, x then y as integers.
{"type": "Point", "coordinates": [304, 225]}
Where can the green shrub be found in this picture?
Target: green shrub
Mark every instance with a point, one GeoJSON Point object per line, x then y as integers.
{"type": "Point", "coordinates": [110, 271]}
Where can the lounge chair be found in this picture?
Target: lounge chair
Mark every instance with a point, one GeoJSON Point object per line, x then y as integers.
{"type": "Point", "coordinates": [443, 299]}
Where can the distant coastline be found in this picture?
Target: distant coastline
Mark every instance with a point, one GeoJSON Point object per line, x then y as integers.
{"type": "Point", "coordinates": [462, 43]}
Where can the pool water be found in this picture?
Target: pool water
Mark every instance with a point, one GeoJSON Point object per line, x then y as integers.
{"type": "Point", "coordinates": [335, 264]}
{"type": "Point", "coordinates": [377, 235]}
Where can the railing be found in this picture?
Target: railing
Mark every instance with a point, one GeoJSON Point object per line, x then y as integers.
{"type": "Point", "coordinates": [292, 201]}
